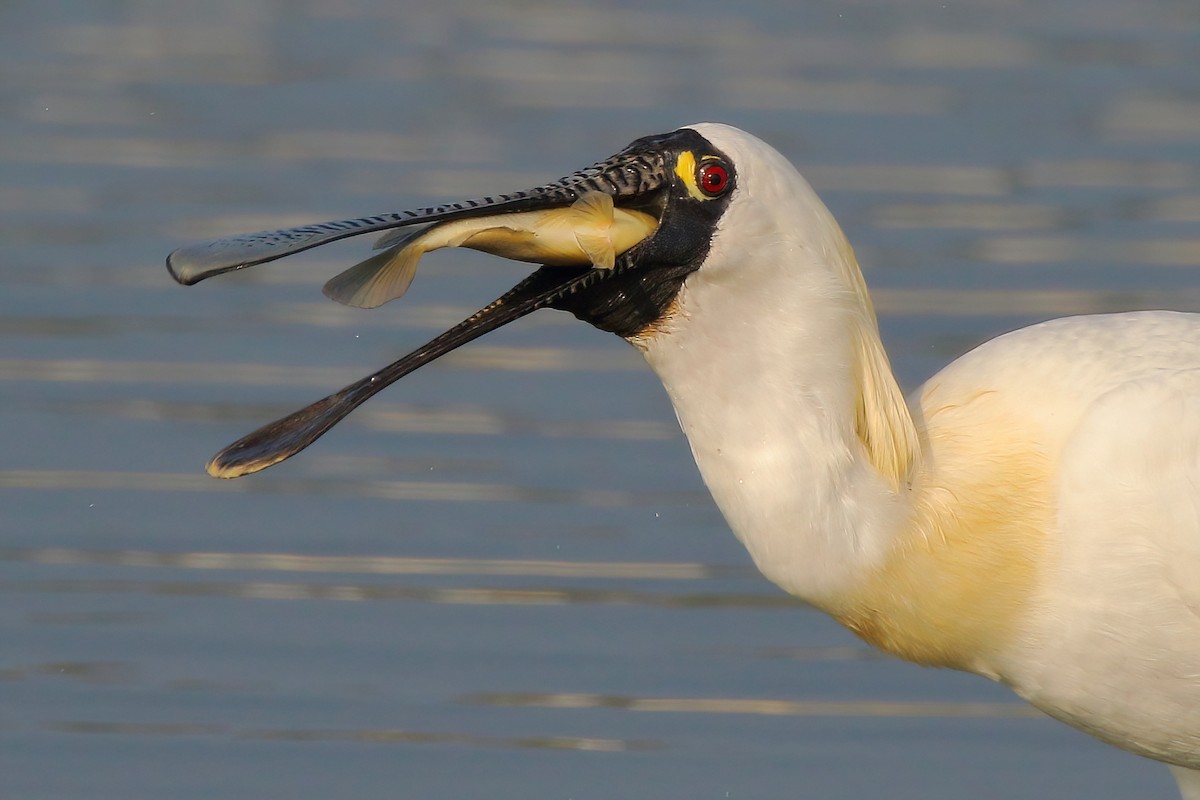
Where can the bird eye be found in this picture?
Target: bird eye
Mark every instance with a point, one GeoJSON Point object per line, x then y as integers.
{"type": "Point", "coordinates": [712, 178]}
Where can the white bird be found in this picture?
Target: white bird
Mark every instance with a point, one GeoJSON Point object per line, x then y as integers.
{"type": "Point", "coordinates": [1031, 514]}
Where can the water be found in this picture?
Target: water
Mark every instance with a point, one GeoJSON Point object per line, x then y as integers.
{"type": "Point", "coordinates": [503, 578]}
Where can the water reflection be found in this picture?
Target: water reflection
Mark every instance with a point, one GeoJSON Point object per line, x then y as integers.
{"type": "Point", "coordinates": [920, 179]}
{"type": "Point", "coordinates": [374, 565]}
{"type": "Point", "coordinates": [341, 591]}
{"type": "Point", "coordinates": [838, 96]}
{"type": "Point", "coordinates": [1051, 249]}
{"type": "Point", "coordinates": [970, 216]}
{"type": "Point", "coordinates": [436, 491]}
{"type": "Point", "coordinates": [344, 592]}
{"type": "Point", "coordinates": [1153, 118]}
{"type": "Point", "coordinates": [158, 730]}
{"type": "Point", "coordinates": [1036, 302]}
{"type": "Point", "coordinates": [1110, 173]}
{"type": "Point", "coordinates": [519, 359]}
{"type": "Point", "coordinates": [733, 705]}
{"type": "Point", "coordinates": [1185, 208]}
{"type": "Point", "coordinates": [88, 672]}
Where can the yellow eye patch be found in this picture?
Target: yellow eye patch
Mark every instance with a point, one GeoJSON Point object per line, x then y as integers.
{"type": "Point", "coordinates": [685, 168]}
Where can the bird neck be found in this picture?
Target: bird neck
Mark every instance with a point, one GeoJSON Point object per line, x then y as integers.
{"type": "Point", "coordinates": [781, 384]}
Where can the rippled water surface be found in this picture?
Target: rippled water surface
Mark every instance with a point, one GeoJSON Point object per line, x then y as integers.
{"type": "Point", "coordinates": [503, 577]}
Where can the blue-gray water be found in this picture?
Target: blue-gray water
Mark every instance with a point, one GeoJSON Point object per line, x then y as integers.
{"type": "Point", "coordinates": [503, 577]}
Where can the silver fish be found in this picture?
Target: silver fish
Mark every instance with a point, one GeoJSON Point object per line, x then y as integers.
{"type": "Point", "coordinates": [592, 230]}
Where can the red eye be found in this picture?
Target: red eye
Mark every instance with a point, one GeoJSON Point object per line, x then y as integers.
{"type": "Point", "coordinates": [713, 178]}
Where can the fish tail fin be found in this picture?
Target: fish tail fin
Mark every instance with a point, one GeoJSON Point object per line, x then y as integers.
{"type": "Point", "coordinates": [377, 280]}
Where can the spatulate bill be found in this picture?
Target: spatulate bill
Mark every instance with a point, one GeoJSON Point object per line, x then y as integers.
{"type": "Point", "coordinates": [633, 171]}
{"type": "Point", "coordinates": [193, 263]}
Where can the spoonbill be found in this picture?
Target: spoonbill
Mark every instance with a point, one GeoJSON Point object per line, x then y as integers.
{"type": "Point", "coordinates": [1030, 514]}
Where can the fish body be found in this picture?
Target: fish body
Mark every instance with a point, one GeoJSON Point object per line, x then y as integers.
{"type": "Point", "coordinates": [592, 230]}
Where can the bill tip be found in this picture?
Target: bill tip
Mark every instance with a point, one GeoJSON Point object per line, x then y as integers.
{"type": "Point", "coordinates": [218, 468]}
{"type": "Point", "coordinates": [181, 270]}
{"type": "Point", "coordinates": [178, 272]}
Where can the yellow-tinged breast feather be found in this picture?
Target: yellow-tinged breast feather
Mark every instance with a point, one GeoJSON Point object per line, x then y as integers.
{"type": "Point", "coordinates": [954, 590]}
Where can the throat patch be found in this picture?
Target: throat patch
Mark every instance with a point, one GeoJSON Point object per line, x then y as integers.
{"type": "Point", "coordinates": [629, 302]}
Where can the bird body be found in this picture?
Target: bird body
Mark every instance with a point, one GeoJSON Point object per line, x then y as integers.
{"type": "Point", "coordinates": [1030, 514]}
{"type": "Point", "coordinates": [1043, 527]}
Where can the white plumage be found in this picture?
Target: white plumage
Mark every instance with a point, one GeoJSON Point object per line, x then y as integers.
{"type": "Point", "coordinates": [1032, 514]}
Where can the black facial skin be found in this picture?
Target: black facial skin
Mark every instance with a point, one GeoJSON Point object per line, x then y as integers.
{"type": "Point", "coordinates": [632, 299]}
{"type": "Point", "coordinates": [626, 300]}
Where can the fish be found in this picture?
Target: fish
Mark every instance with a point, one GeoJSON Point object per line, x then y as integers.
{"type": "Point", "coordinates": [592, 230]}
